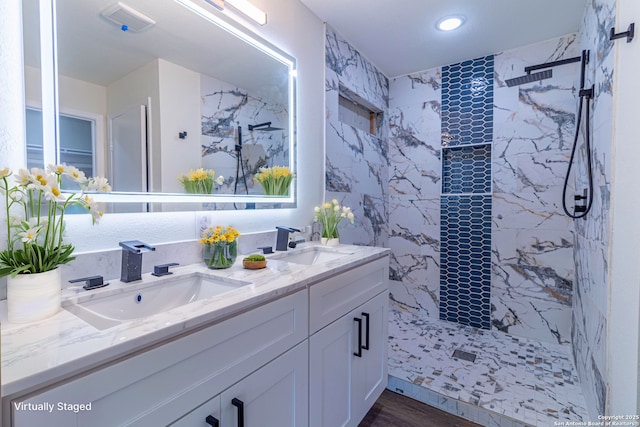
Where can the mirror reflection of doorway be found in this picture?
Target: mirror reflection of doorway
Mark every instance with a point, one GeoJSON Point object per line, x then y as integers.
{"type": "Point", "coordinates": [77, 146]}
{"type": "Point", "coordinates": [128, 154]}
{"type": "Point", "coordinates": [77, 142]}
{"type": "Point", "coordinates": [128, 149]}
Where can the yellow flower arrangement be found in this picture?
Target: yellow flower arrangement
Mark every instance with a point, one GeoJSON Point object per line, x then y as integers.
{"type": "Point", "coordinates": [200, 181]}
{"type": "Point", "coordinates": [220, 246]}
{"type": "Point", "coordinates": [275, 181]}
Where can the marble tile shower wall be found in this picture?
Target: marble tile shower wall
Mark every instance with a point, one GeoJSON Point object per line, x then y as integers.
{"type": "Point", "coordinates": [532, 241]}
{"type": "Point", "coordinates": [357, 163]}
{"type": "Point", "coordinates": [415, 181]}
{"type": "Point", "coordinates": [591, 293]}
{"type": "Point", "coordinates": [533, 265]}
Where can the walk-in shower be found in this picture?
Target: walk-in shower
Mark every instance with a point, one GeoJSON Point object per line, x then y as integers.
{"type": "Point", "coordinates": [582, 202]}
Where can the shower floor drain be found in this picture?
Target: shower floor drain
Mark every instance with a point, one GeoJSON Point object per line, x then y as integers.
{"type": "Point", "coordinates": [464, 355]}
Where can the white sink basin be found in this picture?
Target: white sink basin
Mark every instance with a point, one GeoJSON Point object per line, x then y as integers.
{"type": "Point", "coordinates": [311, 255]}
{"type": "Point", "coordinates": [149, 298]}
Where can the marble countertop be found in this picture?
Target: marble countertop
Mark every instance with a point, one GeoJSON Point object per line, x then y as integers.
{"type": "Point", "coordinates": [42, 353]}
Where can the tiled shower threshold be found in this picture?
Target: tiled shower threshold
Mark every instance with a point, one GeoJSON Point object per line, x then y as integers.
{"type": "Point", "coordinates": [512, 382]}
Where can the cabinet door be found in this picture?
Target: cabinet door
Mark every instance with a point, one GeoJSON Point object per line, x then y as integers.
{"type": "Point", "coordinates": [206, 415]}
{"type": "Point", "coordinates": [331, 358]}
{"type": "Point", "coordinates": [274, 395]}
{"type": "Point", "coordinates": [346, 379]}
{"type": "Point", "coordinates": [370, 373]}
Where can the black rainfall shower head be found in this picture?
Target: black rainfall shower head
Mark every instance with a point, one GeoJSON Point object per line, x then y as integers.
{"type": "Point", "coordinates": [531, 77]}
{"type": "Point", "coordinates": [266, 127]}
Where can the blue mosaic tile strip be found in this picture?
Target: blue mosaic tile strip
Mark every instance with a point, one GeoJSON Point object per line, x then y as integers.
{"type": "Point", "coordinates": [466, 169]}
{"type": "Point", "coordinates": [467, 102]}
{"type": "Point", "coordinates": [465, 260]}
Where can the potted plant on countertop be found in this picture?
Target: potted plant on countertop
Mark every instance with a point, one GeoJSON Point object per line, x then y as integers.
{"type": "Point", "coordinates": [35, 210]}
{"type": "Point", "coordinates": [220, 246]}
{"type": "Point", "coordinates": [254, 262]}
{"type": "Point", "coordinates": [330, 215]}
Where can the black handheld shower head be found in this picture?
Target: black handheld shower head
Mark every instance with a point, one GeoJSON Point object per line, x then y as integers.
{"type": "Point", "coordinates": [265, 127]}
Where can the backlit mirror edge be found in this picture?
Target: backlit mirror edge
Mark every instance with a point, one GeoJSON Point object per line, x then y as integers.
{"type": "Point", "coordinates": [50, 110]}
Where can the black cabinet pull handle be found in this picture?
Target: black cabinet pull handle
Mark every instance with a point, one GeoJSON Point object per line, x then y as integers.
{"type": "Point", "coordinates": [359, 322]}
{"type": "Point", "coordinates": [366, 331]}
{"type": "Point", "coordinates": [212, 421]}
{"type": "Point", "coordinates": [240, 405]}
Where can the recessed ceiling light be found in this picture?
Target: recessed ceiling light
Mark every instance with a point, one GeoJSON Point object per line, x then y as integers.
{"type": "Point", "coordinates": [449, 23]}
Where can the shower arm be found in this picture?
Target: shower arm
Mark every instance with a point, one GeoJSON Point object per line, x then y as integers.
{"type": "Point", "coordinates": [529, 77]}
{"type": "Point", "coordinates": [531, 68]}
{"type": "Point", "coordinates": [265, 124]}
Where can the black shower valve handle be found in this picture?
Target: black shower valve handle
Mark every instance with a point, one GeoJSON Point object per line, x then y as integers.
{"type": "Point", "coordinates": [582, 196]}
{"type": "Point", "coordinates": [587, 93]}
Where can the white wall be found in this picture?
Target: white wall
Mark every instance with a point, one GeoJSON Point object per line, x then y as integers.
{"type": "Point", "coordinates": [78, 95]}
{"type": "Point", "coordinates": [32, 87]}
{"type": "Point", "coordinates": [77, 98]}
{"type": "Point", "coordinates": [293, 28]}
{"type": "Point", "coordinates": [12, 119]}
{"type": "Point", "coordinates": [179, 111]}
{"type": "Point", "coordinates": [624, 309]}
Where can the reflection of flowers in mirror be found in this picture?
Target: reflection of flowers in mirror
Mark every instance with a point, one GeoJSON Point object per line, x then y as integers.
{"type": "Point", "coordinates": [35, 208]}
{"type": "Point", "coordinates": [275, 181]}
{"type": "Point", "coordinates": [330, 215]}
{"type": "Point", "coordinates": [200, 181]}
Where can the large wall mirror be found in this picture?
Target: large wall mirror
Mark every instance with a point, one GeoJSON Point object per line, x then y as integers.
{"type": "Point", "coordinates": [179, 93]}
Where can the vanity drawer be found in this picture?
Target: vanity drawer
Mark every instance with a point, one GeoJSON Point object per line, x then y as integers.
{"type": "Point", "coordinates": [332, 298]}
{"type": "Point", "coordinates": [151, 388]}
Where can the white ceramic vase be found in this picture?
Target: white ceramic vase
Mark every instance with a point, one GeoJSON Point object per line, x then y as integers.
{"type": "Point", "coordinates": [32, 297]}
{"type": "Point", "coordinates": [330, 241]}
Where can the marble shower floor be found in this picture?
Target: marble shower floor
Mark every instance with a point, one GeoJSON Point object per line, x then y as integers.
{"type": "Point", "coordinates": [527, 381]}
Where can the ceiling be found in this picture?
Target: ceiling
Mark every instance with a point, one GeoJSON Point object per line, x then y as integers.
{"type": "Point", "coordinates": [400, 37]}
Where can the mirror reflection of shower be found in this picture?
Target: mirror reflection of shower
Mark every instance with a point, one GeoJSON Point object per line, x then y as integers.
{"type": "Point", "coordinates": [254, 154]}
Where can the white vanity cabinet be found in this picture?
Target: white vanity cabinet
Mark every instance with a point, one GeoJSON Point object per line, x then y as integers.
{"type": "Point", "coordinates": [316, 357]}
{"type": "Point", "coordinates": [274, 395]}
{"type": "Point", "coordinates": [161, 385]}
{"type": "Point", "coordinates": [348, 345]}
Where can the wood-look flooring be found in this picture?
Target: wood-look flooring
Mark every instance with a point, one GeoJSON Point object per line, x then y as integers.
{"type": "Point", "coordinates": [395, 410]}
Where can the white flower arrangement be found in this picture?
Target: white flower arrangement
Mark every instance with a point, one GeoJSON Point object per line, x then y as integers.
{"type": "Point", "coordinates": [35, 234]}
{"type": "Point", "coordinates": [330, 215]}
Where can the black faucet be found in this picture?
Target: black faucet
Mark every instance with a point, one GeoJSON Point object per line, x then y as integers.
{"type": "Point", "coordinates": [283, 237]}
{"type": "Point", "coordinates": [132, 251]}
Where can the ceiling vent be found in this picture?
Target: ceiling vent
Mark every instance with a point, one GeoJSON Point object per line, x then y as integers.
{"type": "Point", "coordinates": [127, 18]}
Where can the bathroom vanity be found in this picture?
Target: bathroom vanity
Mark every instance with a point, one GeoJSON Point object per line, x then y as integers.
{"type": "Point", "coordinates": [302, 342]}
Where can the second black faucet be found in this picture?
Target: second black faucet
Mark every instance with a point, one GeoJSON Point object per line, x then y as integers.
{"type": "Point", "coordinates": [282, 239]}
